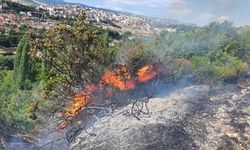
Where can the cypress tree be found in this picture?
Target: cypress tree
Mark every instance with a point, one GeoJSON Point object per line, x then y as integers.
{"type": "Point", "coordinates": [22, 68]}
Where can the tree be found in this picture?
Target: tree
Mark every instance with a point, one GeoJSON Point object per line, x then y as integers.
{"type": "Point", "coordinates": [23, 73]}
{"type": "Point", "coordinates": [77, 54]}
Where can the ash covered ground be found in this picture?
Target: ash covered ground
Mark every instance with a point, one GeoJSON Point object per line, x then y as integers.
{"type": "Point", "coordinates": [192, 117]}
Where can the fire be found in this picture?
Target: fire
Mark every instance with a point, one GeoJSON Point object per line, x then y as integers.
{"type": "Point", "coordinates": [119, 78]}
{"type": "Point", "coordinates": [146, 73]}
{"type": "Point", "coordinates": [81, 100]}
{"type": "Point", "coordinates": [64, 124]}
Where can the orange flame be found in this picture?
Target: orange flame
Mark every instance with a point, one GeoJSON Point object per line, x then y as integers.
{"type": "Point", "coordinates": [119, 78]}
{"type": "Point", "coordinates": [146, 73]}
{"type": "Point", "coordinates": [64, 124]}
{"type": "Point", "coordinates": [81, 100]}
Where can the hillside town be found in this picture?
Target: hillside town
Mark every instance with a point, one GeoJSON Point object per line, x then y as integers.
{"type": "Point", "coordinates": [99, 16]}
{"type": "Point", "coordinates": [46, 16]}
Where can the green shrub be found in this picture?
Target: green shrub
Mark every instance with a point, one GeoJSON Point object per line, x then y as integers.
{"type": "Point", "coordinates": [6, 62]}
{"type": "Point", "coordinates": [224, 67]}
{"type": "Point", "coordinates": [14, 104]}
{"type": "Point", "coordinates": [229, 67]}
{"type": "Point", "coordinates": [15, 110]}
{"type": "Point", "coordinates": [203, 69]}
{"type": "Point", "coordinates": [3, 74]}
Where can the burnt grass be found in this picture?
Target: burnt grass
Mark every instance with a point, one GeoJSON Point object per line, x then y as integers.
{"type": "Point", "coordinates": [185, 133]}
{"type": "Point", "coordinates": [218, 119]}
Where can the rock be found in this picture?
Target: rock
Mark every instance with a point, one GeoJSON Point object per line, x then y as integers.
{"type": "Point", "coordinates": [195, 117]}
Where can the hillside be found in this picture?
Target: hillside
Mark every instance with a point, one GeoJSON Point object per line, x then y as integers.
{"type": "Point", "coordinates": [39, 2]}
{"type": "Point", "coordinates": [108, 19]}
{"type": "Point", "coordinates": [76, 77]}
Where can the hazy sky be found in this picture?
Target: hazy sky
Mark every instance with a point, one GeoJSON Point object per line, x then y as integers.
{"type": "Point", "coordinates": [200, 12]}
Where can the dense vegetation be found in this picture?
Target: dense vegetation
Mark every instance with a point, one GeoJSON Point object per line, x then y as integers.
{"type": "Point", "coordinates": [45, 63]}
{"type": "Point", "coordinates": [73, 55]}
{"type": "Point", "coordinates": [213, 54]}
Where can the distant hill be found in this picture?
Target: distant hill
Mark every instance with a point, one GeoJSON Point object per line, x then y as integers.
{"type": "Point", "coordinates": [40, 2]}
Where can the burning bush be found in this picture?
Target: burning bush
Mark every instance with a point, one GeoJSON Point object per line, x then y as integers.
{"type": "Point", "coordinates": [133, 54]}
{"type": "Point", "coordinates": [119, 78]}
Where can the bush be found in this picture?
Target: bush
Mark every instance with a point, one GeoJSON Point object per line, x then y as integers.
{"type": "Point", "coordinates": [14, 104]}
{"type": "Point", "coordinates": [133, 54]}
{"type": "Point", "coordinates": [224, 68]}
{"type": "Point", "coordinates": [203, 69]}
{"type": "Point", "coordinates": [229, 67]}
{"type": "Point", "coordinates": [6, 62]}
{"type": "Point", "coordinates": [3, 74]}
{"type": "Point", "coordinates": [15, 110]}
